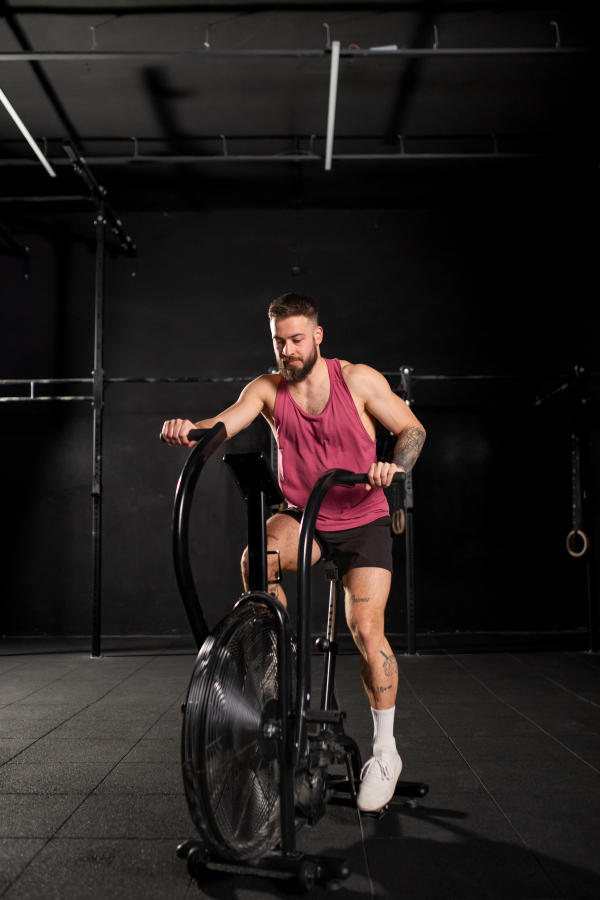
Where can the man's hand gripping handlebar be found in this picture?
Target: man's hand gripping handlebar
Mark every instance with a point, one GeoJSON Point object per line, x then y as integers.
{"type": "Point", "coordinates": [181, 433]}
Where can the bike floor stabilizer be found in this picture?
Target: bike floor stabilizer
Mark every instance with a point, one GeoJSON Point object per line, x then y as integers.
{"type": "Point", "coordinates": [410, 792]}
{"type": "Point", "coordinates": [306, 868]}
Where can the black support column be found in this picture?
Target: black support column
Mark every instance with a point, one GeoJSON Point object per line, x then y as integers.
{"type": "Point", "coordinates": [98, 389]}
{"type": "Point", "coordinates": [411, 641]}
{"type": "Point", "coordinates": [581, 491]}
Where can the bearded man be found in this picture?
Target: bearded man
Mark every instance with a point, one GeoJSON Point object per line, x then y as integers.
{"type": "Point", "coordinates": [323, 413]}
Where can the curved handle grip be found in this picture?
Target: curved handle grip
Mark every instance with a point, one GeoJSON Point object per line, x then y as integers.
{"type": "Point", "coordinates": [195, 434]}
{"type": "Point", "coordinates": [210, 441]}
{"type": "Point", "coordinates": [349, 478]}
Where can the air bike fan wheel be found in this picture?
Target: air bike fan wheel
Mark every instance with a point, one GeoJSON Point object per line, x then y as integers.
{"type": "Point", "coordinates": [231, 736]}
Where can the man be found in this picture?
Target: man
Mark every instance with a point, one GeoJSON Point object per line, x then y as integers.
{"type": "Point", "coordinates": [323, 414]}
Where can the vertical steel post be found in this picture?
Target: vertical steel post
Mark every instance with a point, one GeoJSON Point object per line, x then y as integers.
{"type": "Point", "coordinates": [581, 487]}
{"type": "Point", "coordinates": [411, 643]}
{"type": "Point", "coordinates": [98, 393]}
{"type": "Point", "coordinates": [411, 647]}
{"type": "Point", "coordinates": [257, 540]}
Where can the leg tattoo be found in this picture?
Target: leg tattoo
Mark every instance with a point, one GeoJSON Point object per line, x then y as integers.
{"type": "Point", "coordinates": [390, 666]}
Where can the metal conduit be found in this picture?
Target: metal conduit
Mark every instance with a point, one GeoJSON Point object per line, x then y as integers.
{"type": "Point", "coordinates": [277, 158]}
{"type": "Point", "coordinates": [408, 52]}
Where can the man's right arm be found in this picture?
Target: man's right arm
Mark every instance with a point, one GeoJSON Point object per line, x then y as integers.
{"type": "Point", "coordinates": [251, 402]}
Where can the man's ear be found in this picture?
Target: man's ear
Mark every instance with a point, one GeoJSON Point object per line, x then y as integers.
{"type": "Point", "coordinates": [318, 335]}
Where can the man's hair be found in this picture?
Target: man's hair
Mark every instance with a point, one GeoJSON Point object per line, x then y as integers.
{"type": "Point", "coordinates": [294, 305]}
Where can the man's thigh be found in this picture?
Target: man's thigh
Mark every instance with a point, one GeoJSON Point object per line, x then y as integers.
{"type": "Point", "coordinates": [366, 594]}
{"type": "Point", "coordinates": [283, 533]}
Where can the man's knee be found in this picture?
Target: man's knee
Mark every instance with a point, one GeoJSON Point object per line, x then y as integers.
{"type": "Point", "coordinates": [272, 564]}
{"type": "Point", "coordinates": [368, 633]}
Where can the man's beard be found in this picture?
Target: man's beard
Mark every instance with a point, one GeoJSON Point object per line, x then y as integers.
{"type": "Point", "coordinates": [295, 374]}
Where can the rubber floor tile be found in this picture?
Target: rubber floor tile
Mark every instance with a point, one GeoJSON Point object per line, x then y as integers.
{"type": "Point", "coordinates": [52, 748]}
{"type": "Point", "coordinates": [33, 712]}
{"type": "Point", "coordinates": [35, 815]}
{"type": "Point", "coordinates": [10, 748]}
{"type": "Point", "coordinates": [442, 775]}
{"type": "Point", "coordinates": [15, 854]}
{"type": "Point", "coordinates": [97, 870]}
{"type": "Point", "coordinates": [586, 746]}
{"type": "Point", "coordinates": [564, 723]}
{"type": "Point", "coordinates": [461, 867]}
{"type": "Point", "coordinates": [14, 728]}
{"type": "Point", "coordinates": [547, 774]}
{"type": "Point", "coordinates": [564, 829]}
{"type": "Point", "coordinates": [447, 713]}
{"type": "Point", "coordinates": [56, 777]}
{"type": "Point", "coordinates": [445, 817]}
{"type": "Point", "coordinates": [162, 731]}
{"type": "Point", "coordinates": [510, 746]}
{"type": "Point", "coordinates": [143, 778]}
{"type": "Point", "coordinates": [105, 730]}
{"type": "Point", "coordinates": [156, 751]}
{"type": "Point", "coordinates": [490, 729]}
{"type": "Point", "coordinates": [147, 816]}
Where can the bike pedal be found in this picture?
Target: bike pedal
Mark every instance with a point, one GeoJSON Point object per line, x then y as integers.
{"type": "Point", "coordinates": [376, 813]}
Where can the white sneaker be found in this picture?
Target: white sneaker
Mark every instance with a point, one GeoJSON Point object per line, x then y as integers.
{"type": "Point", "coordinates": [378, 779]}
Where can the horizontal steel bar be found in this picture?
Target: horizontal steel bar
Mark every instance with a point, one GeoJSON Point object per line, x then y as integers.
{"type": "Point", "coordinates": [277, 158]}
{"type": "Point", "coordinates": [185, 380]}
{"type": "Point", "coordinates": [409, 52]}
{"type": "Point", "coordinates": [59, 197]}
{"type": "Point", "coordinates": [209, 379]}
{"type": "Point", "coordinates": [46, 381]}
{"type": "Point", "coordinates": [464, 377]}
{"type": "Point", "coordinates": [35, 399]}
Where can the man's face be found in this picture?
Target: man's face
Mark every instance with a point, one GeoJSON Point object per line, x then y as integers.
{"type": "Point", "coordinates": [296, 340]}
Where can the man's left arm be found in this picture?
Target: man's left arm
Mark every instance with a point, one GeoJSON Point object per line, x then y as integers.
{"type": "Point", "coordinates": [395, 415]}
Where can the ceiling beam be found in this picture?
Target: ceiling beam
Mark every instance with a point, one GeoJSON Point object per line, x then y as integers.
{"type": "Point", "coordinates": [271, 157]}
{"type": "Point", "coordinates": [427, 53]}
{"type": "Point", "coordinates": [374, 6]}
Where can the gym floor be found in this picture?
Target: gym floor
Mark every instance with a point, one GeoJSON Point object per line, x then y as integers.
{"type": "Point", "coordinates": [92, 804]}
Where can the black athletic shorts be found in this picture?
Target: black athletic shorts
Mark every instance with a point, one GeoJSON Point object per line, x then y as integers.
{"type": "Point", "coordinates": [356, 548]}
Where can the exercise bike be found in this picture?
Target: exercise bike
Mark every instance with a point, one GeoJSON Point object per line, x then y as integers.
{"type": "Point", "coordinates": [255, 755]}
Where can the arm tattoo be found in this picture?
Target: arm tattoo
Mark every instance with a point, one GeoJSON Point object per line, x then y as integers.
{"type": "Point", "coordinates": [390, 666]}
{"type": "Point", "coordinates": [273, 536]}
{"type": "Point", "coordinates": [409, 445]}
{"type": "Point", "coordinates": [354, 599]}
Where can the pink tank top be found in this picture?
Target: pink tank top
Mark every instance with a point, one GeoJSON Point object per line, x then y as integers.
{"type": "Point", "coordinates": [336, 439]}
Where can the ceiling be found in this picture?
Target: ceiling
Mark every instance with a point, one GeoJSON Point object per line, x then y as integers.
{"type": "Point", "coordinates": [507, 116]}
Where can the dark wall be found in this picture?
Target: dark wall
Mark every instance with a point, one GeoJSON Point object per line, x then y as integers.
{"type": "Point", "coordinates": [456, 291]}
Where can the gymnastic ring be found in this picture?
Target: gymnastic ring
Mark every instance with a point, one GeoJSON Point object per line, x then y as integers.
{"type": "Point", "coordinates": [398, 521]}
{"type": "Point", "coordinates": [585, 543]}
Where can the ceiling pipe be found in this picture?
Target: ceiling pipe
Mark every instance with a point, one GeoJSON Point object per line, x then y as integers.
{"type": "Point", "coordinates": [274, 157]}
{"type": "Point", "coordinates": [425, 52]}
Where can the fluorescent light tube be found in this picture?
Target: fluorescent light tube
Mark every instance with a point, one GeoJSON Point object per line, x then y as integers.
{"type": "Point", "coordinates": [21, 126]}
{"type": "Point", "coordinates": [333, 84]}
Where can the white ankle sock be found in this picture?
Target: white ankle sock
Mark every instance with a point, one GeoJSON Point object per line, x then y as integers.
{"type": "Point", "coordinates": [383, 723]}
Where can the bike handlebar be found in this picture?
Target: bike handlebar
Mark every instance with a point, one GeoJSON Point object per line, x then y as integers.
{"type": "Point", "coordinates": [195, 434]}
{"type": "Point", "coordinates": [350, 479]}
